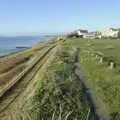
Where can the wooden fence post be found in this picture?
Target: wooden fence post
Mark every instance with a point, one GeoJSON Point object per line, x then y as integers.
{"type": "Point", "coordinates": [112, 65]}
{"type": "Point", "coordinates": [77, 57]}
{"type": "Point", "coordinates": [101, 60]}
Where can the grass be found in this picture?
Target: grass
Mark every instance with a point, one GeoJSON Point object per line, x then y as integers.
{"type": "Point", "coordinates": [105, 81]}
{"type": "Point", "coordinates": [9, 62]}
{"type": "Point", "coordinates": [59, 95]}
{"type": "Point", "coordinates": [6, 77]}
{"type": "Point", "coordinates": [110, 50]}
{"type": "Point", "coordinates": [12, 65]}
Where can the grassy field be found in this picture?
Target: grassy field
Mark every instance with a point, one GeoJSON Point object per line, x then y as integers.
{"type": "Point", "coordinates": [58, 92]}
{"type": "Point", "coordinates": [104, 80]}
{"type": "Point", "coordinates": [9, 62]}
{"type": "Point", "coordinates": [12, 65]}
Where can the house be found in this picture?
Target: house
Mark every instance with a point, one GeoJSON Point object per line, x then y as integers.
{"type": "Point", "coordinates": [81, 33]}
{"type": "Point", "coordinates": [92, 35]}
{"type": "Point", "coordinates": [85, 34]}
{"type": "Point", "coordinates": [89, 35]}
{"type": "Point", "coordinates": [78, 33]}
{"type": "Point", "coordinates": [111, 33]}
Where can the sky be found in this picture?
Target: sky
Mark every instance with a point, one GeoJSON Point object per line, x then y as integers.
{"type": "Point", "coordinates": [54, 16]}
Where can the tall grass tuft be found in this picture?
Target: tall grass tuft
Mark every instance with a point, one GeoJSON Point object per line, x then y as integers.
{"type": "Point", "coordinates": [59, 94]}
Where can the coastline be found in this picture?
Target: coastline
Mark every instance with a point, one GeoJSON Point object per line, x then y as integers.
{"type": "Point", "coordinates": [12, 53]}
{"type": "Point", "coordinates": [24, 48]}
{"type": "Point", "coordinates": [17, 44]}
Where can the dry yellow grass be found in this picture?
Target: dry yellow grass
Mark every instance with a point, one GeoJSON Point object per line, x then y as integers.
{"type": "Point", "coordinates": [10, 63]}
{"type": "Point", "coordinates": [5, 77]}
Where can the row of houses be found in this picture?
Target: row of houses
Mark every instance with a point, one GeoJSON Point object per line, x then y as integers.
{"type": "Point", "coordinates": [111, 33]}
{"type": "Point", "coordinates": [106, 33]}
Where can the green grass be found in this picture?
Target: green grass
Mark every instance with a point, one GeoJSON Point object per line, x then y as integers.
{"type": "Point", "coordinates": [105, 81]}
{"type": "Point", "coordinates": [108, 47]}
{"type": "Point", "coordinates": [59, 92]}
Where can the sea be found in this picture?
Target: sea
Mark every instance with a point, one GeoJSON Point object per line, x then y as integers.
{"type": "Point", "coordinates": [11, 44]}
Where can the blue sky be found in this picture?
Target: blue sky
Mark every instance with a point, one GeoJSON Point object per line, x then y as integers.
{"type": "Point", "coordinates": [51, 16]}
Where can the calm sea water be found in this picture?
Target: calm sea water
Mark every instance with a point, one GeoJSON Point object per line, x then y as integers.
{"type": "Point", "coordinates": [8, 44]}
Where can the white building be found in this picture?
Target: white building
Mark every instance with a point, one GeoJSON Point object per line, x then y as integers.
{"type": "Point", "coordinates": [89, 35]}
{"type": "Point", "coordinates": [86, 34]}
{"type": "Point", "coordinates": [110, 32]}
{"type": "Point", "coordinates": [80, 32]}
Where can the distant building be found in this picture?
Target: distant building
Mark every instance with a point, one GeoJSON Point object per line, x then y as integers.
{"type": "Point", "coordinates": [81, 32]}
{"type": "Point", "coordinates": [85, 34]}
{"type": "Point", "coordinates": [78, 33]}
{"type": "Point", "coordinates": [111, 33]}
{"type": "Point", "coordinates": [89, 35]}
{"type": "Point", "coordinates": [92, 35]}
